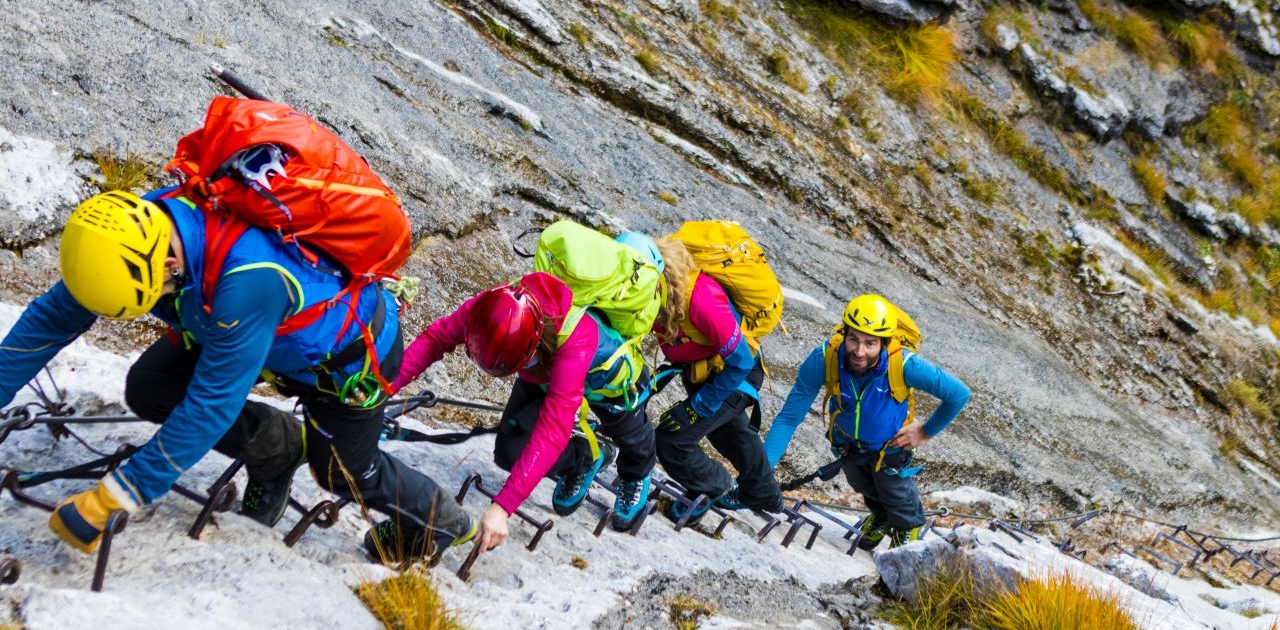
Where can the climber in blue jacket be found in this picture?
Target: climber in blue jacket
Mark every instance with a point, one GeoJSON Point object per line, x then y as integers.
{"type": "Point", "coordinates": [868, 404]}
{"type": "Point", "coordinates": [121, 257]}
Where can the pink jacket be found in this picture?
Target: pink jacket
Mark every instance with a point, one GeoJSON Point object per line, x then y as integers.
{"type": "Point", "coordinates": [568, 374]}
{"type": "Point", "coordinates": [710, 313]}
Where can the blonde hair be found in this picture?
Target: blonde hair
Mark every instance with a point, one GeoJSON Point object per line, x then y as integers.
{"type": "Point", "coordinates": [678, 275]}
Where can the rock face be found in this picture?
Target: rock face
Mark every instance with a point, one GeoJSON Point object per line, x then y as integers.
{"type": "Point", "coordinates": [1020, 261]}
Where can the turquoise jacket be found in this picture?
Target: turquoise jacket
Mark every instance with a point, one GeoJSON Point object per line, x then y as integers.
{"type": "Point", "coordinates": [263, 282]}
{"type": "Point", "coordinates": [870, 414]}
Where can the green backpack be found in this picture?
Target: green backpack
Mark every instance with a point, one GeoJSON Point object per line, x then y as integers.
{"type": "Point", "coordinates": [608, 276]}
{"type": "Point", "coordinates": [612, 281]}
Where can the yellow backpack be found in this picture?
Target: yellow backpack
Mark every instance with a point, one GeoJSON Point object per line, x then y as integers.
{"type": "Point", "coordinates": [724, 251]}
{"type": "Point", "coordinates": [907, 337]}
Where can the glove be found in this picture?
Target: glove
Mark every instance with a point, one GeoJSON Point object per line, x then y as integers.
{"type": "Point", "coordinates": [679, 416]}
{"type": "Point", "coordinates": [80, 519]}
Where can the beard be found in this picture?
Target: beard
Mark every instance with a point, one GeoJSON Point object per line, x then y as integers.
{"type": "Point", "coordinates": [850, 365]}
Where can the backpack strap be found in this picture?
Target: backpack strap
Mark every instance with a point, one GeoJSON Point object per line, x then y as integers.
{"type": "Point", "coordinates": [831, 371]}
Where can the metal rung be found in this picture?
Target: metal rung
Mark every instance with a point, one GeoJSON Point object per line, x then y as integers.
{"type": "Point", "coordinates": [851, 531]}
{"type": "Point", "coordinates": [222, 495]}
{"type": "Point", "coordinates": [10, 482]}
{"type": "Point", "coordinates": [1195, 553]}
{"type": "Point", "coordinates": [1177, 566]}
{"type": "Point", "coordinates": [115, 524]}
{"type": "Point", "coordinates": [677, 492]}
{"type": "Point", "coordinates": [1118, 548]}
{"type": "Point", "coordinates": [476, 481]}
{"type": "Point", "coordinates": [323, 515]}
{"type": "Point", "coordinates": [799, 520]}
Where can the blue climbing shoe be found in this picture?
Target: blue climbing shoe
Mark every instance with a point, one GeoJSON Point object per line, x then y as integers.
{"type": "Point", "coordinates": [571, 490]}
{"type": "Point", "coordinates": [632, 495]}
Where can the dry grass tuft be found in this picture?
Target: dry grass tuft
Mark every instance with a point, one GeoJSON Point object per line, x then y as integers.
{"type": "Point", "coordinates": [580, 34]}
{"type": "Point", "coordinates": [128, 172]}
{"type": "Point", "coordinates": [650, 60]}
{"type": "Point", "coordinates": [1251, 399]}
{"type": "Point", "coordinates": [945, 599]}
{"type": "Point", "coordinates": [925, 55]}
{"type": "Point", "coordinates": [1204, 45]}
{"type": "Point", "coordinates": [1151, 180]}
{"type": "Point", "coordinates": [1056, 602]}
{"type": "Point", "coordinates": [408, 601]}
{"type": "Point", "coordinates": [719, 12]}
{"type": "Point", "coordinates": [1139, 33]}
{"type": "Point", "coordinates": [687, 611]}
{"type": "Point", "coordinates": [952, 598]}
{"type": "Point", "coordinates": [1153, 257]}
{"type": "Point", "coordinates": [912, 61]}
{"type": "Point", "coordinates": [1011, 17]}
{"type": "Point", "coordinates": [779, 65]}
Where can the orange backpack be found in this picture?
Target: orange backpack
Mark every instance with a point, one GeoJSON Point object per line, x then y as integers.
{"type": "Point", "coordinates": [319, 193]}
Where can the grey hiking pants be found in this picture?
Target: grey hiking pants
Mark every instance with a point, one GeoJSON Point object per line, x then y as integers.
{"type": "Point", "coordinates": [891, 498]}
{"type": "Point", "coordinates": [338, 438]}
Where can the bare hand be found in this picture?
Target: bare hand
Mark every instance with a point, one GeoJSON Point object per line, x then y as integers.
{"type": "Point", "coordinates": [493, 528]}
{"type": "Point", "coordinates": [910, 436]}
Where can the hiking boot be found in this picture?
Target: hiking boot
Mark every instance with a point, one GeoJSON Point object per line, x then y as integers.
{"type": "Point", "coordinates": [678, 510]}
{"type": "Point", "coordinates": [873, 531]}
{"type": "Point", "coordinates": [391, 543]}
{"type": "Point", "coordinates": [730, 501]}
{"type": "Point", "coordinates": [632, 496]}
{"type": "Point", "coordinates": [265, 500]}
{"type": "Point", "coordinates": [571, 490]}
{"type": "Point", "coordinates": [899, 537]}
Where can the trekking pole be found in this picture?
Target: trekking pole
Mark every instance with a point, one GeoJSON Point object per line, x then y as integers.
{"type": "Point", "coordinates": [235, 83]}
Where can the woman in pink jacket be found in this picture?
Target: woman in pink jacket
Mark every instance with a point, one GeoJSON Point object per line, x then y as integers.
{"type": "Point", "coordinates": [530, 328]}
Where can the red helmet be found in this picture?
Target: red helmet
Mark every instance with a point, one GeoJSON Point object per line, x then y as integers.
{"type": "Point", "coordinates": [503, 330]}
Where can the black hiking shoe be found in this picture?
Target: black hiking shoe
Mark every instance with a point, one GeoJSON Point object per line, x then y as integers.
{"type": "Point", "coordinates": [571, 490]}
{"type": "Point", "coordinates": [632, 495]}
{"type": "Point", "coordinates": [390, 543]}
{"type": "Point", "coordinates": [265, 500]}
{"type": "Point", "coordinates": [873, 531]}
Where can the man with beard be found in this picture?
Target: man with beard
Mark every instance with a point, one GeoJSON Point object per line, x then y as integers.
{"type": "Point", "coordinates": [868, 407]}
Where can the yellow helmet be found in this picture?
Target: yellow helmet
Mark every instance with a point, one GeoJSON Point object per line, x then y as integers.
{"type": "Point", "coordinates": [871, 314]}
{"type": "Point", "coordinates": [113, 252]}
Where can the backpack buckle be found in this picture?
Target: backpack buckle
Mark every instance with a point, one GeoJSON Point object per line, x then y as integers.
{"type": "Point", "coordinates": [255, 166]}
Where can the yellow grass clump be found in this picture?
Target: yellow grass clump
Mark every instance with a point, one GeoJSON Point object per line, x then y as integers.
{"type": "Point", "coordinates": [1139, 33]}
{"type": "Point", "coordinates": [408, 600]}
{"type": "Point", "coordinates": [1251, 399]}
{"type": "Point", "coordinates": [913, 62]}
{"type": "Point", "coordinates": [1204, 45]}
{"type": "Point", "coordinates": [1055, 603]}
{"type": "Point", "coordinates": [1151, 180]}
{"type": "Point", "coordinates": [128, 172]}
{"type": "Point", "coordinates": [925, 54]}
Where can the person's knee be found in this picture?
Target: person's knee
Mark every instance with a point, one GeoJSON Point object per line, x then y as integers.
{"type": "Point", "coordinates": [141, 401]}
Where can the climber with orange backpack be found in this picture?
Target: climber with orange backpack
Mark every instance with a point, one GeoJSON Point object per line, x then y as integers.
{"type": "Point", "coordinates": [248, 298]}
{"type": "Point", "coordinates": [870, 370]}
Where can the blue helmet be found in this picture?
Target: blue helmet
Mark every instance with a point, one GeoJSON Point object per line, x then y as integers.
{"type": "Point", "coordinates": [645, 245]}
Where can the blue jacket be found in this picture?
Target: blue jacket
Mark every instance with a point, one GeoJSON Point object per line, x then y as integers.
{"type": "Point", "coordinates": [870, 414]}
{"type": "Point", "coordinates": [263, 282]}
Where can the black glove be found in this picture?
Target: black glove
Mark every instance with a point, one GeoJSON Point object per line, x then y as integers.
{"type": "Point", "coordinates": [679, 416]}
